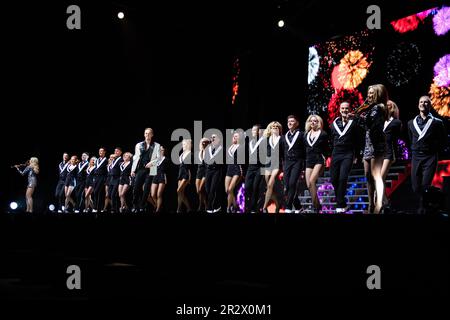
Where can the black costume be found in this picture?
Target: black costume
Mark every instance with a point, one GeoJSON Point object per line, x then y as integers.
{"type": "Point", "coordinates": [233, 167]}
{"type": "Point", "coordinates": [161, 171]}
{"type": "Point", "coordinates": [59, 192]}
{"type": "Point", "coordinates": [392, 132]}
{"type": "Point", "coordinates": [100, 174]}
{"type": "Point", "coordinates": [294, 158]}
{"type": "Point", "coordinates": [142, 179]}
{"type": "Point", "coordinates": [316, 148]}
{"type": "Point", "coordinates": [125, 173]}
{"type": "Point", "coordinates": [201, 168]}
{"type": "Point", "coordinates": [428, 136]}
{"type": "Point", "coordinates": [254, 178]}
{"type": "Point", "coordinates": [347, 142]}
{"type": "Point", "coordinates": [113, 186]}
{"type": "Point", "coordinates": [80, 184]}
{"type": "Point", "coordinates": [376, 140]}
{"type": "Point", "coordinates": [213, 160]}
{"type": "Point", "coordinates": [184, 170]}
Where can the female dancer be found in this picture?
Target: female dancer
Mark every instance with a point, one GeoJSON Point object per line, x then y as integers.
{"type": "Point", "coordinates": [316, 142]}
{"type": "Point", "coordinates": [375, 147]}
{"type": "Point", "coordinates": [160, 180]}
{"type": "Point", "coordinates": [125, 180]}
{"type": "Point", "coordinates": [392, 128]}
{"type": "Point", "coordinates": [184, 175]}
{"type": "Point", "coordinates": [234, 173]}
{"type": "Point", "coordinates": [31, 171]}
{"type": "Point", "coordinates": [89, 188]}
{"type": "Point", "coordinates": [108, 202]}
{"type": "Point", "coordinates": [71, 182]}
{"type": "Point", "coordinates": [273, 134]}
{"type": "Point", "coordinates": [201, 174]}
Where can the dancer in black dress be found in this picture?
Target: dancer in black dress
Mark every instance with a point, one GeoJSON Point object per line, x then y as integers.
{"type": "Point", "coordinates": [201, 175]}
{"type": "Point", "coordinates": [274, 162]}
{"type": "Point", "coordinates": [373, 119]}
{"type": "Point", "coordinates": [89, 187]}
{"type": "Point", "coordinates": [392, 129]}
{"type": "Point", "coordinates": [125, 180]}
{"type": "Point", "coordinates": [316, 142]}
{"type": "Point", "coordinates": [184, 175]}
{"type": "Point", "coordinates": [30, 171]}
{"type": "Point", "coordinates": [78, 191]}
{"type": "Point", "coordinates": [234, 172]}
{"type": "Point", "coordinates": [109, 177]}
{"type": "Point", "coordinates": [160, 180]}
{"type": "Point", "coordinates": [59, 192]}
{"type": "Point", "coordinates": [71, 182]}
{"type": "Point", "coordinates": [114, 180]}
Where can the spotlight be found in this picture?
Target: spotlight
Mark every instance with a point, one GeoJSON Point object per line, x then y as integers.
{"type": "Point", "coordinates": [281, 23]}
{"type": "Point", "coordinates": [51, 207]}
{"type": "Point", "coordinates": [120, 15]}
{"type": "Point", "coordinates": [13, 205]}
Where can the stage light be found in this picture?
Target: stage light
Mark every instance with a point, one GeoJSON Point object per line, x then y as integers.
{"type": "Point", "coordinates": [13, 205]}
{"type": "Point", "coordinates": [281, 23]}
{"type": "Point", "coordinates": [51, 207]}
{"type": "Point", "coordinates": [120, 15]}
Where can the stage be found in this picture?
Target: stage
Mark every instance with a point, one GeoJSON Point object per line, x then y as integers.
{"type": "Point", "coordinates": [173, 257]}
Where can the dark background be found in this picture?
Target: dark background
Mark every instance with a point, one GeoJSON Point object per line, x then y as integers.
{"type": "Point", "coordinates": [164, 66]}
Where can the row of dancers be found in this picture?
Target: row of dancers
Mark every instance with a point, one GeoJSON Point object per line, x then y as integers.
{"type": "Point", "coordinates": [103, 184]}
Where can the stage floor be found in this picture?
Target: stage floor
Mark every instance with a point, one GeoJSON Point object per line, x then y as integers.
{"type": "Point", "coordinates": [222, 256]}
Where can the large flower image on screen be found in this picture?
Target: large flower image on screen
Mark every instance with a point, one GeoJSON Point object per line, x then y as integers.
{"type": "Point", "coordinates": [351, 71]}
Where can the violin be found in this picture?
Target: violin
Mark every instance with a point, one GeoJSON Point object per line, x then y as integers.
{"type": "Point", "coordinates": [362, 108]}
{"type": "Point", "coordinates": [21, 165]}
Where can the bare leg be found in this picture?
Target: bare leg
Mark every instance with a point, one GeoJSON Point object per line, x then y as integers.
{"type": "Point", "coordinates": [377, 164]}
{"type": "Point", "coordinates": [181, 196]}
{"type": "Point", "coordinates": [234, 181]}
{"type": "Point", "coordinates": [270, 180]}
{"type": "Point", "coordinates": [29, 199]}
{"type": "Point", "coordinates": [370, 184]}
{"type": "Point", "coordinates": [159, 195]}
{"type": "Point", "coordinates": [384, 172]}
{"type": "Point", "coordinates": [313, 176]}
{"type": "Point", "coordinates": [227, 191]}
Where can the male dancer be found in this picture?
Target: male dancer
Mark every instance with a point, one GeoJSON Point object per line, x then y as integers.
{"type": "Point", "coordinates": [294, 158]}
{"type": "Point", "coordinates": [146, 156]}
{"type": "Point", "coordinates": [427, 135]}
{"type": "Point", "coordinates": [254, 178]}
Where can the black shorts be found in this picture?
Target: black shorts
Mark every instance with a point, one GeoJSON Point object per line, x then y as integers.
{"type": "Point", "coordinates": [313, 159]}
{"type": "Point", "coordinates": [159, 178]}
{"type": "Point", "coordinates": [183, 174]}
{"type": "Point", "coordinates": [125, 180]}
{"type": "Point", "coordinates": [201, 172]}
{"type": "Point", "coordinates": [233, 170]}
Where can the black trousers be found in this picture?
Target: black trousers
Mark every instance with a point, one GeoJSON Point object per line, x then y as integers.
{"type": "Point", "coordinates": [140, 188]}
{"type": "Point", "coordinates": [341, 165]}
{"type": "Point", "coordinates": [292, 171]}
{"type": "Point", "coordinates": [213, 181]}
{"type": "Point", "coordinates": [253, 181]}
{"type": "Point", "coordinates": [59, 194]}
{"type": "Point", "coordinates": [423, 168]}
{"type": "Point", "coordinates": [79, 194]}
{"type": "Point", "coordinates": [99, 192]}
{"type": "Point", "coordinates": [113, 190]}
